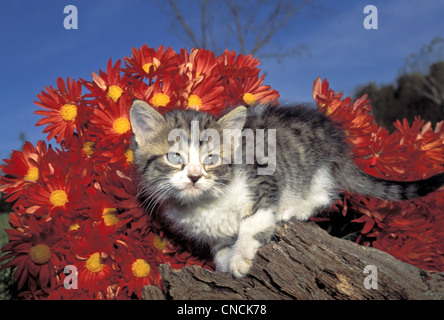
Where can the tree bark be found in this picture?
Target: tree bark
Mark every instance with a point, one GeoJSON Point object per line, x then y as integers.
{"type": "Point", "coordinates": [305, 262]}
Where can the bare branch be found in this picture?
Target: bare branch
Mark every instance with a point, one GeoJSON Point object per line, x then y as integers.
{"type": "Point", "coordinates": [428, 54]}
{"type": "Point", "coordinates": [247, 26]}
{"type": "Point", "coordinates": [239, 32]}
{"type": "Point", "coordinates": [203, 25]}
{"type": "Point", "coordinates": [433, 93]}
{"type": "Point", "coordinates": [253, 15]}
{"type": "Point", "coordinates": [267, 24]}
{"type": "Point", "coordinates": [273, 29]}
{"type": "Point", "coordinates": [184, 24]}
{"type": "Point", "coordinates": [280, 55]}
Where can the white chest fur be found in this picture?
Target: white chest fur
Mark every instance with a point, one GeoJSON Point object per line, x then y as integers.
{"type": "Point", "coordinates": [216, 220]}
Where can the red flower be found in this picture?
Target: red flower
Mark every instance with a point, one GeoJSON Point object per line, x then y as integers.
{"type": "Point", "coordinates": [162, 95]}
{"type": "Point", "coordinates": [59, 190]}
{"type": "Point", "coordinates": [107, 217]}
{"type": "Point", "coordinates": [237, 67]}
{"type": "Point", "coordinates": [37, 252]}
{"type": "Point", "coordinates": [138, 267]}
{"type": "Point", "coordinates": [208, 96]}
{"type": "Point", "coordinates": [427, 145]}
{"type": "Point", "coordinates": [250, 91]}
{"type": "Point", "coordinates": [65, 110]}
{"type": "Point", "coordinates": [123, 187]}
{"type": "Point", "coordinates": [149, 63]}
{"type": "Point", "coordinates": [91, 256]}
{"type": "Point", "coordinates": [109, 85]}
{"type": "Point", "coordinates": [22, 170]}
{"type": "Point", "coordinates": [112, 121]}
{"type": "Point", "coordinates": [353, 117]}
{"type": "Point", "coordinates": [200, 63]}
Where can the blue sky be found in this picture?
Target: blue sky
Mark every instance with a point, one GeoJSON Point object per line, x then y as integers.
{"type": "Point", "coordinates": [36, 49]}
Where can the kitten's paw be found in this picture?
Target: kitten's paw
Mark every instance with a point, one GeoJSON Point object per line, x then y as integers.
{"type": "Point", "coordinates": [240, 265]}
{"type": "Point", "coordinates": [242, 258]}
{"type": "Point", "coordinates": [222, 259]}
{"type": "Point", "coordinates": [286, 214]}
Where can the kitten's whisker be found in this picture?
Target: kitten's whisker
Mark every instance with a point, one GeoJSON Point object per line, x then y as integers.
{"type": "Point", "coordinates": [156, 197]}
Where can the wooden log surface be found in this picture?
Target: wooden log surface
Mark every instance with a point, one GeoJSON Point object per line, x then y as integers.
{"type": "Point", "coordinates": [305, 262]}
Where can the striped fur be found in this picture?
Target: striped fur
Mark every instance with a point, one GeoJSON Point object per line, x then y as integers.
{"type": "Point", "coordinates": [231, 207]}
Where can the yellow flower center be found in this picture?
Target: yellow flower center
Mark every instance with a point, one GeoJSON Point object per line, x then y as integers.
{"type": "Point", "coordinates": [58, 198]}
{"type": "Point", "coordinates": [160, 100]}
{"type": "Point", "coordinates": [68, 112]}
{"type": "Point", "coordinates": [110, 217]}
{"type": "Point", "coordinates": [94, 262]}
{"type": "Point", "coordinates": [114, 92]}
{"type": "Point", "coordinates": [328, 111]}
{"type": "Point", "coordinates": [40, 254]}
{"type": "Point", "coordinates": [74, 226]}
{"type": "Point", "coordinates": [32, 174]}
{"type": "Point", "coordinates": [121, 125]}
{"type": "Point", "coordinates": [159, 243]}
{"type": "Point", "coordinates": [88, 148]}
{"type": "Point", "coordinates": [194, 102]}
{"type": "Point", "coordinates": [249, 98]}
{"type": "Point", "coordinates": [129, 156]}
{"type": "Point", "coordinates": [146, 67]}
{"type": "Point", "coordinates": [140, 268]}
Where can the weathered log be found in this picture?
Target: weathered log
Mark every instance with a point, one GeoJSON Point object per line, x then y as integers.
{"type": "Point", "coordinates": [305, 262]}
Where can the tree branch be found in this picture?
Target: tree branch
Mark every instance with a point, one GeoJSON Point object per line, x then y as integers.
{"type": "Point", "coordinates": [434, 95]}
{"type": "Point", "coordinates": [305, 262]}
{"type": "Point", "coordinates": [273, 27]}
{"type": "Point", "coordinates": [184, 24]}
{"type": "Point", "coordinates": [239, 32]}
{"type": "Point", "coordinates": [203, 24]}
{"type": "Point", "coordinates": [259, 43]}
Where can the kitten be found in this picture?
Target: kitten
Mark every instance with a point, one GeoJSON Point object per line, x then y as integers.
{"type": "Point", "coordinates": [233, 207]}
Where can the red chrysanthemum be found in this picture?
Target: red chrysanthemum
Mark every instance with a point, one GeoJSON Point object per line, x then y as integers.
{"type": "Point", "coordinates": [65, 110]}
{"type": "Point", "coordinates": [162, 95]}
{"type": "Point", "coordinates": [207, 95]}
{"type": "Point", "coordinates": [37, 252]}
{"type": "Point", "coordinates": [251, 91]}
{"type": "Point", "coordinates": [138, 266]}
{"type": "Point", "coordinates": [59, 189]}
{"type": "Point", "coordinates": [199, 63]}
{"type": "Point", "coordinates": [104, 214]}
{"type": "Point", "coordinates": [149, 63]}
{"type": "Point", "coordinates": [237, 66]}
{"type": "Point", "coordinates": [112, 121]}
{"type": "Point", "coordinates": [91, 255]}
{"type": "Point", "coordinates": [107, 85]}
{"type": "Point", "coordinates": [22, 170]}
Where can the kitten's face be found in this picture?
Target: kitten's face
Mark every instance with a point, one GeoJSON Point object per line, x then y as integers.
{"type": "Point", "coordinates": [178, 158]}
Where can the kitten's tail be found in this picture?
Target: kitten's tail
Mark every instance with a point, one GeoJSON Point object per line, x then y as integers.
{"type": "Point", "coordinates": [351, 178]}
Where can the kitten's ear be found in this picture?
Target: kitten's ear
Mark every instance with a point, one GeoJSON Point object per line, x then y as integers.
{"type": "Point", "coordinates": [234, 119]}
{"type": "Point", "coordinates": [145, 120]}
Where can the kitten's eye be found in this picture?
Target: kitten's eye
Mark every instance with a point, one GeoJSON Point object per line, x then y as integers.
{"type": "Point", "coordinates": [211, 159]}
{"type": "Point", "coordinates": [175, 158]}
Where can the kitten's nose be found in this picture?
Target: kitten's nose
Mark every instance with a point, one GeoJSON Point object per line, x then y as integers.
{"type": "Point", "coordinates": [194, 172]}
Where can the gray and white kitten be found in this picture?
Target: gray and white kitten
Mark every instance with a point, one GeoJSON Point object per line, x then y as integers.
{"type": "Point", "coordinates": [233, 206]}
